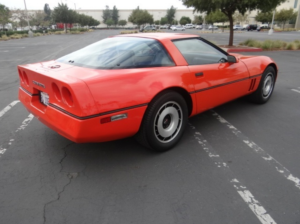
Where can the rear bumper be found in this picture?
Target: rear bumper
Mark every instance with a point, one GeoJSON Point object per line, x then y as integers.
{"type": "Point", "coordinates": [83, 130]}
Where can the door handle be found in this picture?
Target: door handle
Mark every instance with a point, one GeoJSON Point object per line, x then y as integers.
{"type": "Point", "coordinates": [199, 74]}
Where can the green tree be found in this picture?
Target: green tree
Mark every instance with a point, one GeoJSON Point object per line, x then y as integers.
{"type": "Point", "coordinates": [264, 17]}
{"type": "Point", "coordinates": [157, 22]}
{"type": "Point", "coordinates": [174, 22]}
{"type": "Point", "coordinates": [109, 22]}
{"type": "Point", "coordinates": [209, 19]}
{"type": "Point", "coordinates": [62, 14]}
{"type": "Point", "coordinates": [219, 17]}
{"type": "Point", "coordinates": [293, 18]}
{"type": "Point", "coordinates": [122, 22]}
{"type": "Point", "coordinates": [115, 15]}
{"type": "Point", "coordinates": [106, 14]}
{"type": "Point", "coordinates": [198, 20]}
{"type": "Point", "coordinates": [4, 15]}
{"type": "Point", "coordinates": [185, 20]}
{"type": "Point", "coordinates": [163, 21]}
{"type": "Point", "coordinates": [170, 14]}
{"type": "Point", "coordinates": [284, 16]}
{"type": "Point", "coordinates": [140, 17]}
{"type": "Point", "coordinates": [230, 7]}
{"type": "Point", "coordinates": [85, 20]}
{"type": "Point", "coordinates": [47, 12]}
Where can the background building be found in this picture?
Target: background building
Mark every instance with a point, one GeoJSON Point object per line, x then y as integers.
{"type": "Point", "coordinates": [159, 13]}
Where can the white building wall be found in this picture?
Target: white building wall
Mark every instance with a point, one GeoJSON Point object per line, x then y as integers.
{"type": "Point", "coordinates": [125, 13]}
{"type": "Point", "coordinates": [294, 4]}
{"type": "Point", "coordinates": [159, 13]}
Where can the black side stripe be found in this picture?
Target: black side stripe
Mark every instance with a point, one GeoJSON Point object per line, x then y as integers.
{"type": "Point", "coordinates": [29, 93]}
{"type": "Point", "coordinates": [96, 115]}
{"type": "Point", "coordinates": [224, 84]}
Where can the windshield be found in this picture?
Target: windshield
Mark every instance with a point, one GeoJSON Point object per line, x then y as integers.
{"type": "Point", "coordinates": [120, 52]}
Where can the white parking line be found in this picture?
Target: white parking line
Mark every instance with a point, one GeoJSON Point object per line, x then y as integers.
{"type": "Point", "coordinates": [255, 206]}
{"type": "Point", "coordinates": [25, 123]}
{"type": "Point", "coordinates": [273, 162]}
{"type": "Point", "coordinates": [7, 108]}
{"type": "Point", "coordinates": [295, 90]}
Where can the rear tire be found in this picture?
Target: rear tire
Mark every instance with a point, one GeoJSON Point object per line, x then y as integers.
{"type": "Point", "coordinates": [164, 122]}
{"type": "Point", "coordinates": [265, 88]}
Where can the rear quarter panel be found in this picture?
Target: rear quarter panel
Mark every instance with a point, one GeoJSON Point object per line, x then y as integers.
{"type": "Point", "coordinates": [132, 87]}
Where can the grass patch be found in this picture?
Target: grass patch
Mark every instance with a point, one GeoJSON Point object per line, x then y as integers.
{"type": "Point", "coordinates": [75, 32]}
{"type": "Point", "coordinates": [272, 44]}
{"type": "Point", "coordinates": [128, 32]}
{"type": "Point", "coordinates": [4, 37]}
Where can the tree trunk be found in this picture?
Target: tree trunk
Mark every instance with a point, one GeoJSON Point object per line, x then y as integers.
{"type": "Point", "coordinates": [230, 29]}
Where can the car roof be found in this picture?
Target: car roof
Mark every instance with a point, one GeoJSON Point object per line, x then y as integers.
{"type": "Point", "coordinates": [160, 36]}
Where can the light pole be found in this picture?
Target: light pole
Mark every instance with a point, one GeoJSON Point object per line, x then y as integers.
{"type": "Point", "coordinates": [271, 30]}
{"type": "Point", "coordinates": [30, 34]}
{"type": "Point", "coordinates": [203, 25]}
{"type": "Point", "coordinates": [297, 26]}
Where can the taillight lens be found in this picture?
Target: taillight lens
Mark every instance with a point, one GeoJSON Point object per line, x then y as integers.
{"type": "Point", "coordinates": [25, 78]}
{"type": "Point", "coordinates": [56, 92]}
{"type": "Point", "coordinates": [67, 97]}
{"type": "Point", "coordinates": [21, 76]}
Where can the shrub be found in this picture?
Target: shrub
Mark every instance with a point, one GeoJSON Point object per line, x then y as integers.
{"type": "Point", "coordinates": [272, 44]}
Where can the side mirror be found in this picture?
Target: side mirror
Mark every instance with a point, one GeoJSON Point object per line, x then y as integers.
{"type": "Point", "coordinates": [231, 59]}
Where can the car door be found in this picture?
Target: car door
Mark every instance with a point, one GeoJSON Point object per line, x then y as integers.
{"type": "Point", "coordinates": [216, 81]}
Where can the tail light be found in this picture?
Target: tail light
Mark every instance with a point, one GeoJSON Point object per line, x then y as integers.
{"type": "Point", "coordinates": [21, 76]}
{"type": "Point", "coordinates": [67, 97]}
{"type": "Point", "coordinates": [25, 78]}
{"type": "Point", "coordinates": [56, 92]}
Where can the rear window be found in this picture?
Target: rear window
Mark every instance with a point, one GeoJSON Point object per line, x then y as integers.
{"type": "Point", "coordinates": [119, 53]}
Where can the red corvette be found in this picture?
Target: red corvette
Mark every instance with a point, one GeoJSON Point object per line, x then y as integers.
{"type": "Point", "coordinates": [141, 84]}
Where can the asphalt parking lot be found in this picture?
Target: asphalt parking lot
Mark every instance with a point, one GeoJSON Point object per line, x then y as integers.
{"type": "Point", "coordinates": [238, 163]}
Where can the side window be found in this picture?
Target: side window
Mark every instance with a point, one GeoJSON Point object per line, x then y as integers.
{"type": "Point", "coordinates": [197, 52]}
{"type": "Point", "coordinates": [151, 55]}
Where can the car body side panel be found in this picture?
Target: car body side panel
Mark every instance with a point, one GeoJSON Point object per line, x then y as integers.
{"type": "Point", "coordinates": [131, 87]}
{"type": "Point", "coordinates": [216, 84]}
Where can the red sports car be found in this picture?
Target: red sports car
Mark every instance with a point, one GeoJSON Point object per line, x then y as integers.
{"type": "Point", "coordinates": [141, 84]}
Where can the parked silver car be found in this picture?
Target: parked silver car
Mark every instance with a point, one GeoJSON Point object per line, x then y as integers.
{"type": "Point", "coordinates": [174, 28]}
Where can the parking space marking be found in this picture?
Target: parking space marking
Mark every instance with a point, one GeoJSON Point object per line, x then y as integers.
{"type": "Point", "coordinates": [255, 206]}
{"type": "Point", "coordinates": [25, 123]}
{"type": "Point", "coordinates": [7, 108]}
{"type": "Point", "coordinates": [273, 162]}
{"type": "Point", "coordinates": [295, 90]}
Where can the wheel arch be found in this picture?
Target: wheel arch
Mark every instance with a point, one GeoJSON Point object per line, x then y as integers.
{"type": "Point", "coordinates": [275, 67]}
{"type": "Point", "coordinates": [187, 97]}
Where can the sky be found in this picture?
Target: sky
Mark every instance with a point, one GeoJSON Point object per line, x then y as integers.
{"type": "Point", "coordinates": [95, 4]}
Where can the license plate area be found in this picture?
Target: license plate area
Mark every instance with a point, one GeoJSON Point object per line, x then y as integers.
{"type": "Point", "coordinates": [44, 98]}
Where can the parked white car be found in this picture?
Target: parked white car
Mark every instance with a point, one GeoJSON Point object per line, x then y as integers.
{"type": "Point", "coordinates": [189, 26]}
{"type": "Point", "coordinates": [237, 27]}
{"type": "Point", "coordinates": [174, 28]}
{"type": "Point", "coordinates": [199, 27]}
{"type": "Point", "coordinates": [213, 27]}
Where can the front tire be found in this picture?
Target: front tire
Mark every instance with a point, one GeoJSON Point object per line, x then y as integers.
{"type": "Point", "coordinates": [265, 88]}
{"type": "Point", "coordinates": [164, 122]}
